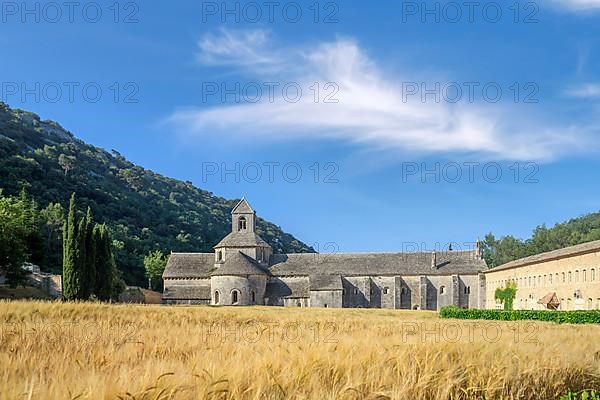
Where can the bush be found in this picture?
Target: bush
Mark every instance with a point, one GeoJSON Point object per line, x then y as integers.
{"type": "Point", "coordinates": [593, 395]}
{"type": "Point", "coordinates": [561, 317]}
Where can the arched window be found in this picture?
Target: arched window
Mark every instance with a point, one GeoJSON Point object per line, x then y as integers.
{"type": "Point", "coordinates": [298, 304]}
{"type": "Point", "coordinates": [241, 223]}
{"type": "Point", "coordinates": [219, 255]}
{"type": "Point", "coordinates": [576, 275]}
{"type": "Point", "coordinates": [234, 297]}
{"type": "Point", "coordinates": [217, 297]}
{"type": "Point", "coordinates": [442, 289]}
{"type": "Point", "coordinates": [467, 289]}
{"type": "Point", "coordinates": [253, 297]}
{"type": "Point", "coordinates": [386, 290]}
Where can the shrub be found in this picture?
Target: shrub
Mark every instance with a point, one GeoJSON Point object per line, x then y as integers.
{"type": "Point", "coordinates": [561, 317]}
{"type": "Point", "coordinates": [585, 395]}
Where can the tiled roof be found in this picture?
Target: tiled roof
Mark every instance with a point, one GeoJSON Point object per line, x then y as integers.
{"type": "Point", "coordinates": [243, 238]}
{"type": "Point", "coordinates": [189, 265]}
{"type": "Point", "coordinates": [238, 264]}
{"type": "Point", "coordinates": [187, 293]}
{"type": "Point", "coordinates": [293, 289]}
{"type": "Point", "coordinates": [356, 264]}
{"type": "Point", "coordinates": [588, 247]}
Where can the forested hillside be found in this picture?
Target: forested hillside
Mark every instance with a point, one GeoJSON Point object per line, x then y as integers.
{"type": "Point", "coordinates": [575, 231]}
{"type": "Point", "coordinates": [145, 211]}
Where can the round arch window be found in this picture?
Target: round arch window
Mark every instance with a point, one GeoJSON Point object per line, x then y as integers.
{"type": "Point", "coordinates": [235, 297]}
{"type": "Point", "coordinates": [217, 297]}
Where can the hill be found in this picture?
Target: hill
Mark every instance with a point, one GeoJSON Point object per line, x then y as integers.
{"type": "Point", "coordinates": [144, 210]}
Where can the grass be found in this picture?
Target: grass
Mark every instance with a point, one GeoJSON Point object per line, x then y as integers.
{"type": "Point", "coordinates": [94, 351]}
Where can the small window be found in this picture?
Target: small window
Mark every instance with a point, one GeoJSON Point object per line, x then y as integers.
{"type": "Point", "coordinates": [219, 256]}
{"type": "Point", "coordinates": [467, 289]}
{"type": "Point", "coordinates": [593, 275]}
{"type": "Point", "coordinates": [585, 275]}
{"type": "Point", "coordinates": [550, 279]}
{"type": "Point", "coordinates": [355, 290]}
{"type": "Point", "coordinates": [577, 276]}
{"type": "Point", "coordinates": [241, 223]}
{"type": "Point", "coordinates": [325, 305]}
{"type": "Point", "coordinates": [570, 277]}
{"type": "Point", "coordinates": [253, 297]}
{"type": "Point", "coordinates": [563, 277]}
{"type": "Point", "coordinates": [442, 289]}
{"type": "Point", "coordinates": [234, 297]}
{"type": "Point", "coordinates": [298, 304]}
{"type": "Point", "coordinates": [386, 290]}
{"type": "Point", "coordinates": [217, 297]}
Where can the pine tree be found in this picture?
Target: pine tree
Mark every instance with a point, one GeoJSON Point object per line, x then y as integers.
{"type": "Point", "coordinates": [71, 273]}
{"type": "Point", "coordinates": [89, 263]}
{"type": "Point", "coordinates": [81, 258]}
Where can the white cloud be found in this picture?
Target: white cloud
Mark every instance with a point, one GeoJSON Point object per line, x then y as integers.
{"type": "Point", "coordinates": [586, 91]}
{"type": "Point", "coordinates": [577, 5]}
{"type": "Point", "coordinates": [242, 48]}
{"type": "Point", "coordinates": [371, 110]}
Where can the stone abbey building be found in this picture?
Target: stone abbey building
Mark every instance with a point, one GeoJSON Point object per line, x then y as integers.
{"type": "Point", "coordinates": [244, 271]}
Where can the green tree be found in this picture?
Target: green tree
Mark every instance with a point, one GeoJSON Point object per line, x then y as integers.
{"type": "Point", "coordinates": [53, 218]}
{"type": "Point", "coordinates": [105, 265]}
{"type": "Point", "coordinates": [155, 263]}
{"type": "Point", "coordinates": [72, 274]}
{"type": "Point", "coordinates": [507, 295]}
{"type": "Point", "coordinates": [13, 240]}
{"type": "Point", "coordinates": [89, 263]}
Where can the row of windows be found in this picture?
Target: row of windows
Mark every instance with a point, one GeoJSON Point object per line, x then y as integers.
{"type": "Point", "coordinates": [235, 297]}
{"type": "Point", "coordinates": [552, 279]}
{"type": "Point", "coordinates": [386, 290]}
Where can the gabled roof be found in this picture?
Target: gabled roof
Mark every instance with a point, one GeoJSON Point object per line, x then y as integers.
{"type": "Point", "coordinates": [243, 238]}
{"type": "Point", "coordinates": [243, 207]}
{"type": "Point", "coordinates": [239, 264]}
{"type": "Point", "coordinates": [325, 282]}
{"type": "Point", "coordinates": [189, 265]}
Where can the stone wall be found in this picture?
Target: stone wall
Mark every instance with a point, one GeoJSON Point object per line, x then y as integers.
{"type": "Point", "coordinates": [326, 298]}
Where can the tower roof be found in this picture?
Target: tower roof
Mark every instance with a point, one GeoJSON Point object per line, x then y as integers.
{"type": "Point", "coordinates": [242, 239]}
{"type": "Point", "coordinates": [239, 264]}
{"type": "Point", "coordinates": [243, 207]}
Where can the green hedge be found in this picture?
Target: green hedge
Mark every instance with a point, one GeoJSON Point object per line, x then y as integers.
{"type": "Point", "coordinates": [561, 317]}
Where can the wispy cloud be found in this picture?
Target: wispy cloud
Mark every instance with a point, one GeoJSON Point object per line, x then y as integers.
{"type": "Point", "coordinates": [586, 91]}
{"type": "Point", "coordinates": [577, 5]}
{"type": "Point", "coordinates": [371, 109]}
{"type": "Point", "coordinates": [242, 48]}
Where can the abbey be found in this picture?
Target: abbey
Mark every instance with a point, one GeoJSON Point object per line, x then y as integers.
{"type": "Point", "coordinates": [244, 271]}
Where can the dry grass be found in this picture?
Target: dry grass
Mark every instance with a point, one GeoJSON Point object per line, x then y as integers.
{"type": "Point", "coordinates": [94, 351]}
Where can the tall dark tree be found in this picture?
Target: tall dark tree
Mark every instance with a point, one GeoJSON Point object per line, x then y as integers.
{"type": "Point", "coordinates": [72, 277]}
{"type": "Point", "coordinates": [105, 267]}
{"type": "Point", "coordinates": [89, 263]}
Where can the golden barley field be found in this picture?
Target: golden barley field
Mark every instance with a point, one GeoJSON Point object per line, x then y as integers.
{"type": "Point", "coordinates": [96, 351]}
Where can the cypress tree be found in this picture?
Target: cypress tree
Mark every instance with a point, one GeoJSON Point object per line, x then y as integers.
{"type": "Point", "coordinates": [89, 263]}
{"type": "Point", "coordinates": [80, 262]}
{"type": "Point", "coordinates": [71, 273]}
{"type": "Point", "coordinates": [104, 263]}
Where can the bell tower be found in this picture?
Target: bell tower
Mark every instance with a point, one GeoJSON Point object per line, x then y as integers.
{"type": "Point", "coordinates": [243, 218]}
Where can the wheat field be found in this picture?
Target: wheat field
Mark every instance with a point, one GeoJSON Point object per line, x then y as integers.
{"type": "Point", "coordinates": [98, 351]}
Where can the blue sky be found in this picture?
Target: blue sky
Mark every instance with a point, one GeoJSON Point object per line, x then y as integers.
{"type": "Point", "coordinates": [402, 159]}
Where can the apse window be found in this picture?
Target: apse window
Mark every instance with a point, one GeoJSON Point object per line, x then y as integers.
{"type": "Point", "coordinates": [234, 297]}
